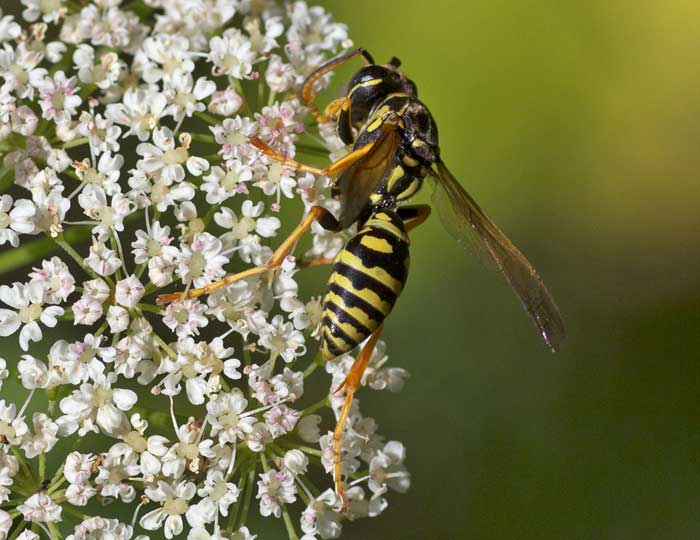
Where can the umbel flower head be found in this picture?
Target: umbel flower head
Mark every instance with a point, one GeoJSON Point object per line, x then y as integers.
{"type": "Point", "coordinates": [124, 135]}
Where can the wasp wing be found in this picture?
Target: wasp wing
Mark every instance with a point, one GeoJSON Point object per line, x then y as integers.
{"type": "Point", "coordinates": [464, 220]}
{"type": "Point", "coordinates": [362, 178]}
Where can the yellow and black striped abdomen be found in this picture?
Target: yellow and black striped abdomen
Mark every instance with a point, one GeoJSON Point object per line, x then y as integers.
{"type": "Point", "coordinates": [368, 276]}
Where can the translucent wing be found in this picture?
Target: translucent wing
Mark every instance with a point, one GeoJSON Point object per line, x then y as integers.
{"type": "Point", "coordinates": [464, 220]}
{"type": "Point", "coordinates": [361, 179]}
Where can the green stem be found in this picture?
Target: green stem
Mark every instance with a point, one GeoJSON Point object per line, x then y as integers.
{"type": "Point", "coordinates": [23, 464]}
{"type": "Point", "coordinates": [248, 497]}
{"type": "Point", "coordinates": [288, 523]}
{"type": "Point", "coordinates": [203, 137]}
{"type": "Point", "coordinates": [60, 240]}
{"type": "Point", "coordinates": [6, 178]}
{"type": "Point", "coordinates": [208, 118]}
{"type": "Point", "coordinates": [312, 366]}
{"type": "Point", "coordinates": [165, 346]}
{"type": "Point", "coordinates": [316, 406]}
{"type": "Point", "coordinates": [151, 308]}
{"type": "Point", "coordinates": [20, 527]}
{"type": "Point", "coordinates": [80, 141]}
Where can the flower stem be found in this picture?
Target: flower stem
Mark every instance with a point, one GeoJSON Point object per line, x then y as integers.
{"type": "Point", "coordinates": [316, 406]}
{"type": "Point", "coordinates": [61, 241]}
{"type": "Point", "coordinates": [208, 118]}
{"type": "Point", "coordinates": [249, 496]}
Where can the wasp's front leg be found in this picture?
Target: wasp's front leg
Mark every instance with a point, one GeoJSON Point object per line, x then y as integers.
{"type": "Point", "coordinates": [317, 213]}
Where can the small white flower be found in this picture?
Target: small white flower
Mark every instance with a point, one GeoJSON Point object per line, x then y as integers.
{"type": "Point", "coordinates": [44, 437]}
{"type": "Point", "coordinates": [321, 516]}
{"type": "Point", "coordinates": [118, 319]}
{"type": "Point", "coordinates": [232, 54]}
{"type": "Point", "coordinates": [387, 469]}
{"type": "Point", "coordinates": [274, 489]}
{"type": "Point", "coordinates": [78, 467]}
{"type": "Point", "coordinates": [296, 462]}
{"type": "Point", "coordinates": [18, 220]}
{"type": "Point", "coordinates": [102, 260]}
{"type": "Point", "coordinates": [28, 300]}
{"type": "Point", "coordinates": [129, 291]}
{"type": "Point", "coordinates": [185, 95]}
{"type": "Point", "coordinates": [201, 262]}
{"type": "Point", "coordinates": [56, 279]}
{"type": "Point", "coordinates": [165, 161]}
{"type": "Point", "coordinates": [96, 405]}
{"type": "Point", "coordinates": [99, 528]}
{"type": "Point", "coordinates": [87, 311]}
{"type": "Point", "coordinates": [4, 372]}
{"type": "Point", "coordinates": [174, 503]}
{"type": "Point", "coordinates": [59, 97]}
{"type": "Point", "coordinates": [40, 507]}
{"type": "Point", "coordinates": [217, 495]}
{"type": "Point", "coordinates": [12, 428]}
{"type": "Point", "coordinates": [140, 110]}
{"type": "Point", "coordinates": [221, 184]}
{"type": "Point", "coordinates": [225, 102]}
{"type": "Point", "coordinates": [5, 524]}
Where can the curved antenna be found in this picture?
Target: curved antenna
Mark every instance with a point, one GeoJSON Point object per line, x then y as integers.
{"type": "Point", "coordinates": [308, 92]}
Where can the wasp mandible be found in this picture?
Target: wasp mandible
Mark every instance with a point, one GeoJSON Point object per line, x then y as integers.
{"type": "Point", "coordinates": [394, 150]}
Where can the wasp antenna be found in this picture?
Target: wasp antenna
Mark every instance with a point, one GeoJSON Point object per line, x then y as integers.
{"type": "Point", "coordinates": [394, 62]}
{"type": "Point", "coordinates": [367, 56]}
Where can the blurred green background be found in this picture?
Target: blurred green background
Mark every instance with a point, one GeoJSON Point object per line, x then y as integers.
{"type": "Point", "coordinates": [575, 125]}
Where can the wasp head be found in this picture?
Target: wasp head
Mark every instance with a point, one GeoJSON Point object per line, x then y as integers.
{"type": "Point", "coordinates": [372, 83]}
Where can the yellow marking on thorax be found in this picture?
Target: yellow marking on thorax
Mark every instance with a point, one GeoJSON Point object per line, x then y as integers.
{"type": "Point", "coordinates": [409, 161]}
{"type": "Point", "coordinates": [397, 174]}
{"type": "Point", "coordinates": [410, 190]}
{"type": "Point", "coordinates": [374, 124]}
{"type": "Point", "coordinates": [376, 244]}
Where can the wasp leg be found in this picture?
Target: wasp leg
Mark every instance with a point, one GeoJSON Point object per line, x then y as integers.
{"type": "Point", "coordinates": [333, 169]}
{"type": "Point", "coordinates": [308, 92]}
{"type": "Point", "coordinates": [339, 110]}
{"type": "Point", "coordinates": [317, 213]}
{"type": "Point", "coordinates": [350, 384]}
{"type": "Point", "coordinates": [316, 261]}
{"type": "Point", "coordinates": [414, 215]}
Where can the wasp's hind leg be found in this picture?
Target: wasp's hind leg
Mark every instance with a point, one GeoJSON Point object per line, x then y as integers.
{"type": "Point", "coordinates": [413, 215]}
{"type": "Point", "coordinates": [317, 213]}
{"type": "Point", "coordinates": [350, 385]}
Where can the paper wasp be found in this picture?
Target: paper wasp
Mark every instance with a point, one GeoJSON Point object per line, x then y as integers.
{"type": "Point", "coordinates": [394, 151]}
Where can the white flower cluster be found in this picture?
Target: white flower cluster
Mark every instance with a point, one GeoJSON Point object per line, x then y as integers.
{"type": "Point", "coordinates": [125, 145]}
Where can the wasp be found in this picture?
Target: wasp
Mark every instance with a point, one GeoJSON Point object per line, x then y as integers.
{"type": "Point", "coordinates": [395, 148]}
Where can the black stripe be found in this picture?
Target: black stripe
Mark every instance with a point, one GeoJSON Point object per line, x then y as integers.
{"type": "Point", "coordinates": [393, 264]}
{"type": "Point", "coordinates": [353, 301]}
{"type": "Point", "coordinates": [331, 346]}
{"type": "Point", "coordinates": [360, 281]}
{"type": "Point", "coordinates": [338, 332]}
{"type": "Point", "coordinates": [345, 318]}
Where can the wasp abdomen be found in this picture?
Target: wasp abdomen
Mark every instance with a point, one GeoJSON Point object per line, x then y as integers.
{"type": "Point", "coordinates": [368, 276]}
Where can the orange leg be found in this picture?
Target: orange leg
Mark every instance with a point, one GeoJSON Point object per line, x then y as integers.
{"type": "Point", "coordinates": [333, 169]}
{"type": "Point", "coordinates": [316, 261]}
{"type": "Point", "coordinates": [317, 213]}
{"type": "Point", "coordinates": [308, 92]}
{"type": "Point", "coordinates": [350, 384]}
